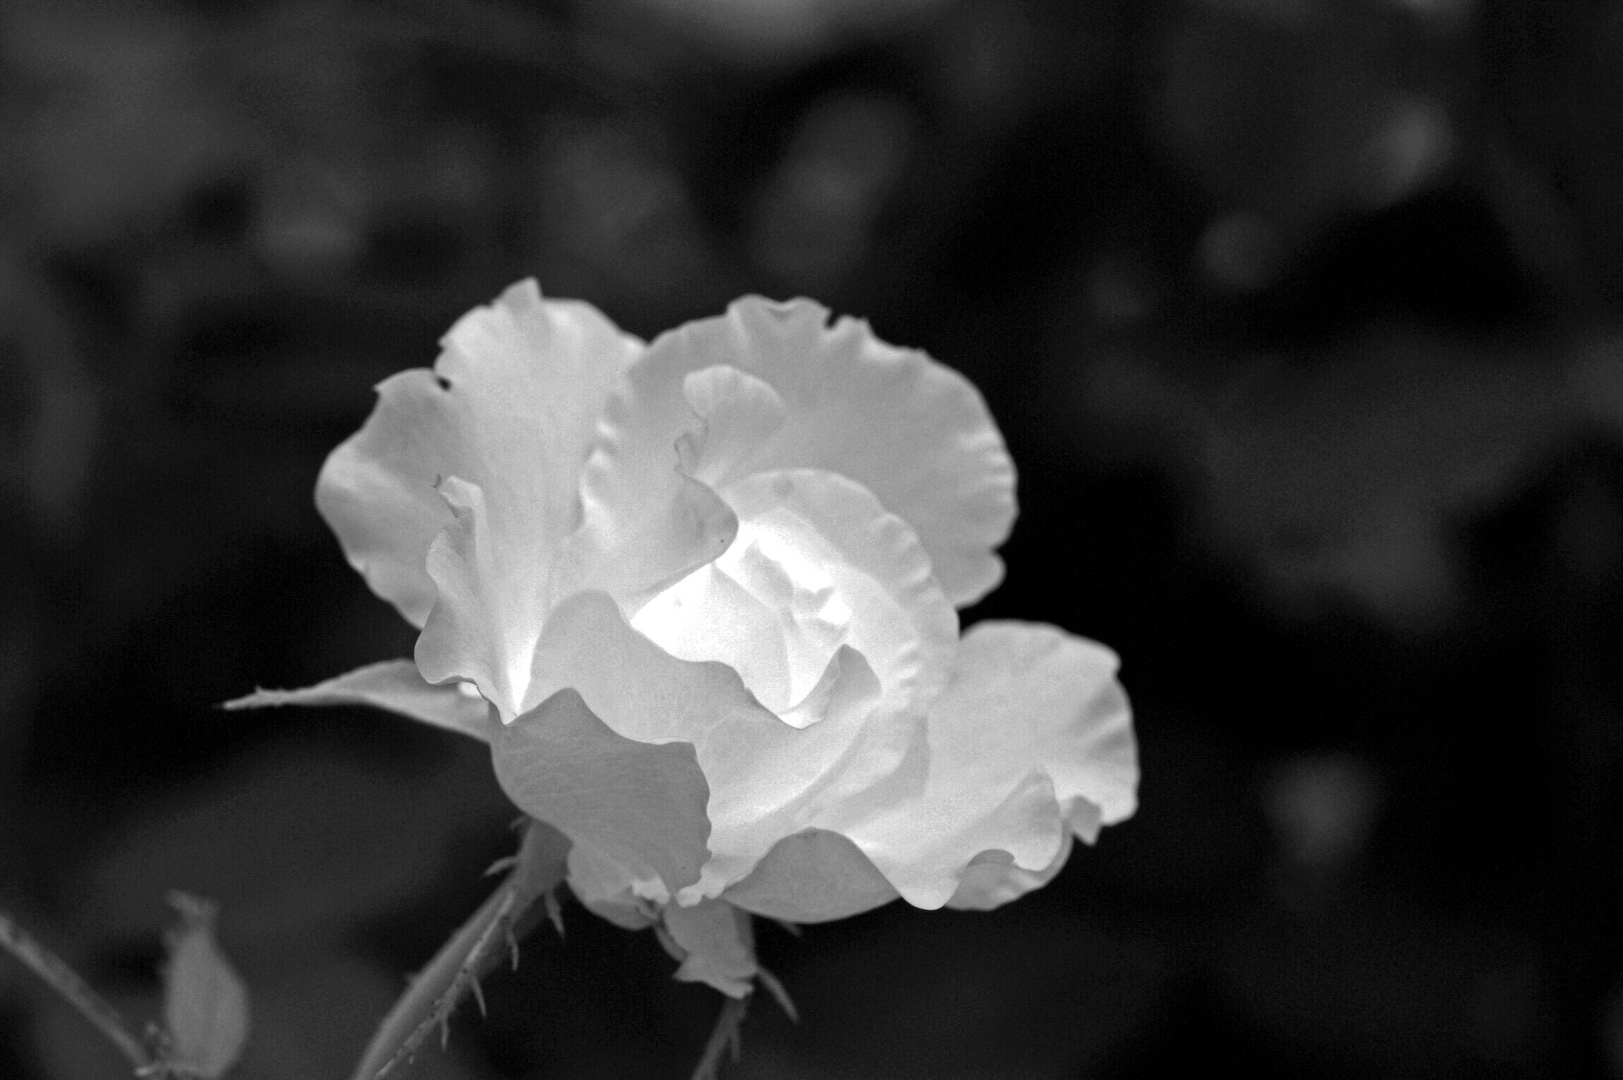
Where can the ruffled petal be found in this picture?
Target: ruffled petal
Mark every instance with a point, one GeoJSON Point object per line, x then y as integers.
{"type": "Point", "coordinates": [485, 623]}
{"type": "Point", "coordinates": [912, 431]}
{"type": "Point", "coordinates": [812, 876]}
{"type": "Point", "coordinates": [639, 804]}
{"type": "Point", "coordinates": [394, 685]}
{"type": "Point", "coordinates": [767, 778]}
{"type": "Point", "coordinates": [634, 555]}
{"type": "Point", "coordinates": [714, 943]}
{"type": "Point", "coordinates": [992, 879]}
{"type": "Point", "coordinates": [818, 562]}
{"type": "Point", "coordinates": [648, 521]}
{"type": "Point", "coordinates": [875, 567]}
{"type": "Point", "coordinates": [738, 414]}
{"type": "Point", "coordinates": [511, 407]}
{"type": "Point", "coordinates": [1032, 742]}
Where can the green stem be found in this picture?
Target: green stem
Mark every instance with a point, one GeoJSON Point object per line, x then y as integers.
{"type": "Point", "coordinates": [66, 982]}
{"type": "Point", "coordinates": [725, 1034]}
{"type": "Point", "coordinates": [454, 972]}
{"type": "Point", "coordinates": [435, 991]}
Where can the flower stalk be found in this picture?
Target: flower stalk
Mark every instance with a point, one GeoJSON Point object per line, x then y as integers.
{"type": "Point", "coordinates": [56, 974]}
{"type": "Point", "coordinates": [454, 973]}
{"type": "Point", "coordinates": [724, 1035]}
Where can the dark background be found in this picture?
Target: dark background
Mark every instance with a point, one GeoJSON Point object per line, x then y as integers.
{"type": "Point", "coordinates": [1300, 318]}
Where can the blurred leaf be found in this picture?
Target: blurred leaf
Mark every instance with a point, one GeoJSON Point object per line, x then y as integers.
{"type": "Point", "coordinates": [205, 1004]}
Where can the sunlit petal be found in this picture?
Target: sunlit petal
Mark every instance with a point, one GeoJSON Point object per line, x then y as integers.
{"type": "Point", "coordinates": [478, 630]}
{"type": "Point", "coordinates": [992, 878]}
{"type": "Point", "coordinates": [820, 556]}
{"type": "Point", "coordinates": [1030, 743]}
{"type": "Point", "coordinates": [766, 777]}
{"type": "Point", "coordinates": [511, 406]}
{"type": "Point", "coordinates": [912, 431]}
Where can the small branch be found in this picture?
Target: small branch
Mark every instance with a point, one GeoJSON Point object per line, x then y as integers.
{"type": "Point", "coordinates": [723, 1036]}
{"type": "Point", "coordinates": [91, 1005]}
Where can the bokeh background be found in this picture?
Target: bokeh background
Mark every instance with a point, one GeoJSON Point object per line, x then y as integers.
{"type": "Point", "coordinates": [1301, 319]}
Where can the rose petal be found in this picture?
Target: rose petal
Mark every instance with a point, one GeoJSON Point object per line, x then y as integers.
{"type": "Point", "coordinates": [648, 522]}
{"type": "Point", "coordinates": [717, 944]}
{"type": "Point", "coordinates": [713, 615]}
{"type": "Point", "coordinates": [394, 685]}
{"type": "Point", "coordinates": [912, 431]}
{"type": "Point", "coordinates": [766, 778]}
{"type": "Point", "coordinates": [639, 804]}
{"type": "Point", "coordinates": [477, 631]}
{"type": "Point", "coordinates": [813, 876]}
{"type": "Point", "coordinates": [512, 407]}
{"type": "Point", "coordinates": [876, 567]}
{"type": "Point", "coordinates": [1033, 728]}
{"type": "Point", "coordinates": [636, 553]}
{"type": "Point", "coordinates": [992, 879]}
{"type": "Point", "coordinates": [737, 412]}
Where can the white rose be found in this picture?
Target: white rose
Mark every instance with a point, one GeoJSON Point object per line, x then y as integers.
{"type": "Point", "coordinates": [699, 597]}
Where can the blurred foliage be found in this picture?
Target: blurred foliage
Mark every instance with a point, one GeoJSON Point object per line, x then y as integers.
{"type": "Point", "coordinates": [1301, 318]}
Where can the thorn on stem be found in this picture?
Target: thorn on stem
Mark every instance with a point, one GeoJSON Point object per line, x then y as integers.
{"type": "Point", "coordinates": [775, 987]}
{"type": "Point", "coordinates": [555, 911]}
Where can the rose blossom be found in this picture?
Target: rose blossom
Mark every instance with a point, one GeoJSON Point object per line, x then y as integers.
{"type": "Point", "coordinates": [699, 597]}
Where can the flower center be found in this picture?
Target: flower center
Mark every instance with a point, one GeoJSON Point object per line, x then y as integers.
{"type": "Point", "coordinates": [768, 607]}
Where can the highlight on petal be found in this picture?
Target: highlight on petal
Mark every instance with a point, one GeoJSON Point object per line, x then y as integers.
{"type": "Point", "coordinates": [635, 554]}
{"type": "Point", "coordinates": [817, 563]}
{"type": "Point", "coordinates": [512, 407]}
{"type": "Point", "coordinates": [767, 779]}
{"type": "Point", "coordinates": [647, 523]}
{"type": "Point", "coordinates": [394, 685]}
{"type": "Point", "coordinates": [639, 804]}
{"type": "Point", "coordinates": [912, 431]}
{"type": "Point", "coordinates": [480, 629]}
{"type": "Point", "coordinates": [1030, 743]}
{"type": "Point", "coordinates": [714, 944]}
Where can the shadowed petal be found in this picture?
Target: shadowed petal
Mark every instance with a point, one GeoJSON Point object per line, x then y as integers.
{"type": "Point", "coordinates": [394, 685]}
{"type": "Point", "coordinates": [812, 876]}
{"type": "Point", "coordinates": [639, 804]}
{"type": "Point", "coordinates": [511, 406]}
{"type": "Point", "coordinates": [766, 777]}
